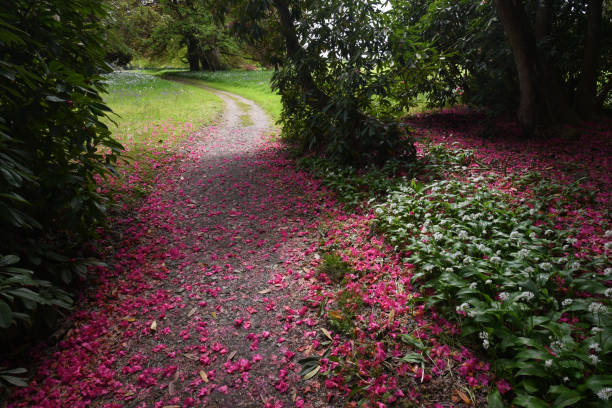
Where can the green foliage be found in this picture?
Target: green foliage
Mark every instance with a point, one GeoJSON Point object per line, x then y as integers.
{"type": "Point", "coordinates": [53, 150]}
{"type": "Point", "coordinates": [163, 29]}
{"type": "Point", "coordinates": [354, 186]}
{"type": "Point", "coordinates": [514, 281]}
{"type": "Point", "coordinates": [451, 51]}
{"type": "Point", "coordinates": [329, 57]}
{"type": "Point", "coordinates": [456, 51]}
{"type": "Point", "coordinates": [334, 267]}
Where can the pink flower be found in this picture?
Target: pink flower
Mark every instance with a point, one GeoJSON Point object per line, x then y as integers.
{"type": "Point", "coordinates": [503, 386]}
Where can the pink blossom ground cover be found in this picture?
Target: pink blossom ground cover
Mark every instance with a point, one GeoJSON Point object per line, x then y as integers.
{"type": "Point", "coordinates": [213, 295]}
{"type": "Point", "coordinates": [580, 157]}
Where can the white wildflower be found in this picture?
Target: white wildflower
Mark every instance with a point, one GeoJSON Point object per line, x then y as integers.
{"type": "Point", "coordinates": [529, 270]}
{"type": "Point", "coordinates": [548, 363]}
{"type": "Point", "coordinates": [533, 235]}
{"type": "Point", "coordinates": [463, 235]}
{"type": "Point", "coordinates": [609, 234]}
{"type": "Point", "coordinates": [597, 307]}
{"type": "Point", "coordinates": [484, 336]}
{"type": "Point", "coordinates": [473, 285]}
{"type": "Point", "coordinates": [523, 253]}
{"type": "Point", "coordinates": [567, 302]}
{"type": "Point", "coordinates": [608, 292]}
{"type": "Point", "coordinates": [467, 260]}
{"type": "Point", "coordinates": [495, 259]}
{"type": "Point", "coordinates": [571, 241]}
{"type": "Point", "coordinates": [594, 359]}
{"type": "Point", "coordinates": [557, 346]}
{"type": "Point", "coordinates": [596, 330]}
{"type": "Point", "coordinates": [515, 235]}
{"type": "Point", "coordinates": [548, 232]}
{"type": "Point", "coordinates": [503, 296]}
{"type": "Point", "coordinates": [565, 379]}
{"type": "Point", "coordinates": [488, 282]}
{"type": "Point", "coordinates": [608, 271]}
{"type": "Point", "coordinates": [546, 266]}
{"type": "Point", "coordinates": [595, 347]}
{"type": "Point", "coordinates": [463, 307]}
{"type": "Point", "coordinates": [438, 236]}
{"type": "Point", "coordinates": [574, 266]}
{"type": "Point", "coordinates": [526, 295]}
{"type": "Point", "coordinates": [605, 393]}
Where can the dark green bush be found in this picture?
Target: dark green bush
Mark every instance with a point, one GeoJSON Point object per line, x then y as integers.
{"type": "Point", "coordinates": [53, 149]}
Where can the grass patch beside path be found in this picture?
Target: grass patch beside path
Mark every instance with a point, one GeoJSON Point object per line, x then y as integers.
{"type": "Point", "coordinates": [253, 85]}
{"type": "Point", "coordinates": [153, 111]}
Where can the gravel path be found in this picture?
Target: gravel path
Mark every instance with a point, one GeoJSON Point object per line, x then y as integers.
{"type": "Point", "coordinates": [201, 303]}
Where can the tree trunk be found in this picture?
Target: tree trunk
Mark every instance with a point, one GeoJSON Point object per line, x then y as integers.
{"type": "Point", "coordinates": [542, 100]}
{"type": "Point", "coordinates": [543, 20]}
{"type": "Point", "coordinates": [586, 96]}
{"type": "Point", "coordinates": [192, 54]}
{"type": "Point", "coordinates": [525, 61]}
{"type": "Point", "coordinates": [318, 98]}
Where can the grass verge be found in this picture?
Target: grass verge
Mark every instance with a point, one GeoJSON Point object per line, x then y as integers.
{"type": "Point", "coordinates": [253, 85]}
{"type": "Point", "coordinates": [152, 111]}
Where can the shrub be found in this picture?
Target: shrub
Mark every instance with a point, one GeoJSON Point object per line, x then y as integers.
{"type": "Point", "coordinates": [53, 150]}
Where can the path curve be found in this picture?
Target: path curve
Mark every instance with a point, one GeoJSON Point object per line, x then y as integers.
{"type": "Point", "coordinates": [201, 304]}
{"type": "Point", "coordinates": [232, 112]}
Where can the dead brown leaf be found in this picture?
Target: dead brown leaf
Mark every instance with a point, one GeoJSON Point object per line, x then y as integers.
{"type": "Point", "coordinates": [466, 400]}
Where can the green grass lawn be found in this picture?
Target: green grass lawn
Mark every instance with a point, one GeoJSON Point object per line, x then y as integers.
{"type": "Point", "coordinates": [150, 110]}
{"type": "Point", "coordinates": [253, 85]}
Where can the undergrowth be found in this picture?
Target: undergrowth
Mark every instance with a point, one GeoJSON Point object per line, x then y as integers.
{"type": "Point", "coordinates": [503, 266]}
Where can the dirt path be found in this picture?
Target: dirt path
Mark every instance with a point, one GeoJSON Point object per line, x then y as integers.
{"type": "Point", "coordinates": [201, 305]}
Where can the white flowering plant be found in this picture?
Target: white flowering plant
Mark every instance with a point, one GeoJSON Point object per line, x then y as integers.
{"type": "Point", "coordinates": [518, 282]}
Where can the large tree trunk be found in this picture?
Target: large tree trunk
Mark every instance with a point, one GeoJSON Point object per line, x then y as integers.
{"type": "Point", "coordinates": [211, 59]}
{"type": "Point", "coordinates": [318, 98]}
{"type": "Point", "coordinates": [193, 54]}
{"type": "Point", "coordinates": [586, 96]}
{"type": "Point", "coordinates": [542, 100]}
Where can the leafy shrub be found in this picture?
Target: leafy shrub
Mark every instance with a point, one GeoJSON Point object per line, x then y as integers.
{"type": "Point", "coordinates": [515, 282]}
{"type": "Point", "coordinates": [53, 151]}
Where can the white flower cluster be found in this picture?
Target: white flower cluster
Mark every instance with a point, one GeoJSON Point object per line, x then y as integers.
{"type": "Point", "coordinates": [545, 266]}
{"type": "Point", "coordinates": [557, 346]}
{"type": "Point", "coordinates": [595, 347]}
{"type": "Point", "coordinates": [525, 295]}
{"type": "Point", "coordinates": [567, 302]}
{"type": "Point", "coordinates": [605, 393]}
{"type": "Point", "coordinates": [463, 307]}
{"type": "Point", "coordinates": [523, 253]}
{"type": "Point", "coordinates": [503, 296]}
{"type": "Point", "coordinates": [484, 336]}
{"type": "Point", "coordinates": [495, 259]}
{"type": "Point", "coordinates": [597, 307]}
